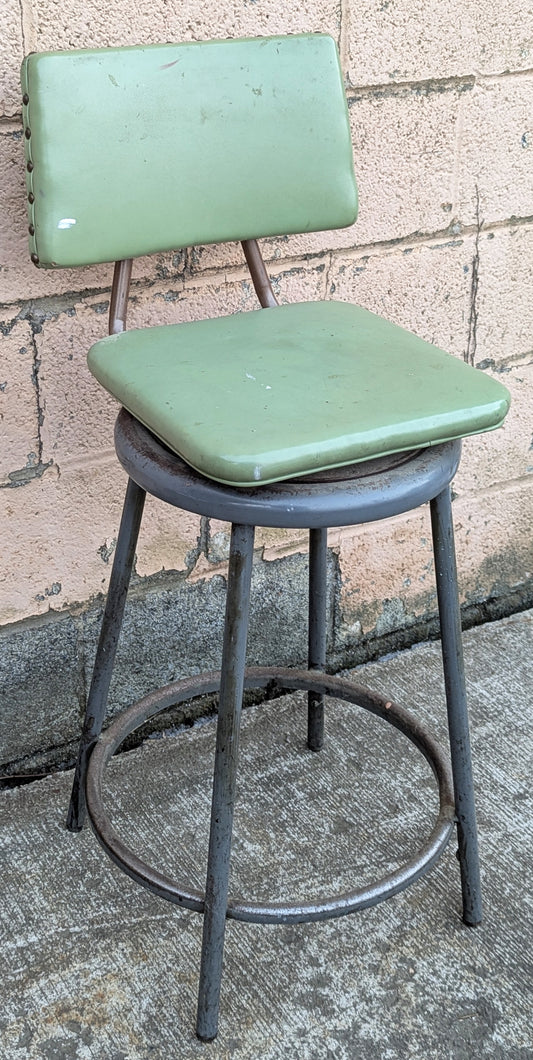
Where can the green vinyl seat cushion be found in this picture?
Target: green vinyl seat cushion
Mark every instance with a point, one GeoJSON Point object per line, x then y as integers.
{"type": "Point", "coordinates": [262, 396]}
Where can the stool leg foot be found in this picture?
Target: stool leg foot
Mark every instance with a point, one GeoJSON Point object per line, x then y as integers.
{"type": "Point", "coordinates": [107, 646]}
{"type": "Point", "coordinates": [452, 655]}
{"type": "Point", "coordinates": [224, 782]}
{"type": "Point", "coordinates": [318, 543]}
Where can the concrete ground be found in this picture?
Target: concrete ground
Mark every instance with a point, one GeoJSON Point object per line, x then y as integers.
{"type": "Point", "coordinates": [95, 967]}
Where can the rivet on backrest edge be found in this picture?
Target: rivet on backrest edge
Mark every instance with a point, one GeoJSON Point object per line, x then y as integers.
{"type": "Point", "coordinates": [35, 259]}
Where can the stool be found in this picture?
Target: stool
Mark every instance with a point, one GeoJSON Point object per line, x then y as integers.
{"type": "Point", "coordinates": [306, 416]}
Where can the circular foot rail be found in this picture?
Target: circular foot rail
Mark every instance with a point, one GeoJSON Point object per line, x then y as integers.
{"type": "Point", "coordinates": [272, 679]}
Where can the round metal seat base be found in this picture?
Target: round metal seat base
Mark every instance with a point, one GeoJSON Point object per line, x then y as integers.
{"type": "Point", "coordinates": [375, 489]}
{"type": "Point", "coordinates": [273, 680]}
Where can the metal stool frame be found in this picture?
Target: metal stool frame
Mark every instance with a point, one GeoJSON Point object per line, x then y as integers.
{"type": "Point", "coordinates": [358, 494]}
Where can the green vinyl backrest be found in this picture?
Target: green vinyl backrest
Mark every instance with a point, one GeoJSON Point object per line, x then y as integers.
{"type": "Point", "coordinates": [136, 150]}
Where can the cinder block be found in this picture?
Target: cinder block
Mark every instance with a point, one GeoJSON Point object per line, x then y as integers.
{"type": "Point", "coordinates": [298, 282]}
{"type": "Point", "coordinates": [14, 254]}
{"type": "Point", "coordinates": [18, 404]}
{"type": "Point", "coordinates": [424, 288]}
{"type": "Point", "coordinates": [89, 25]}
{"type": "Point", "coordinates": [54, 530]}
{"type": "Point", "coordinates": [211, 296]}
{"type": "Point", "coordinates": [493, 539]}
{"type": "Point", "coordinates": [169, 539]}
{"type": "Point", "coordinates": [404, 153]}
{"type": "Point", "coordinates": [503, 33]}
{"type": "Point", "coordinates": [386, 571]}
{"type": "Point", "coordinates": [387, 568]}
{"type": "Point", "coordinates": [493, 460]}
{"type": "Point", "coordinates": [271, 542]}
{"type": "Point", "coordinates": [190, 263]}
{"type": "Point", "coordinates": [11, 53]}
{"type": "Point", "coordinates": [60, 534]}
{"type": "Point", "coordinates": [276, 543]}
{"type": "Point", "coordinates": [408, 41]}
{"type": "Point", "coordinates": [504, 301]}
{"type": "Point", "coordinates": [58, 530]}
{"type": "Point", "coordinates": [496, 155]}
{"type": "Point", "coordinates": [78, 415]}
{"type": "Point", "coordinates": [276, 250]}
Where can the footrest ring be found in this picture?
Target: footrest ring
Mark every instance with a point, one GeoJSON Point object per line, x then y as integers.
{"type": "Point", "coordinates": [283, 680]}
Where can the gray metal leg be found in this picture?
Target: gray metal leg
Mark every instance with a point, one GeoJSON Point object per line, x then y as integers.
{"type": "Point", "coordinates": [318, 543]}
{"type": "Point", "coordinates": [452, 655]}
{"type": "Point", "coordinates": [107, 646]}
{"type": "Point", "coordinates": [224, 782]}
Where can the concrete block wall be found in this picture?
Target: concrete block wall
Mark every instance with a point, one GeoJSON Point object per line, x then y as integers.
{"type": "Point", "coordinates": [441, 105]}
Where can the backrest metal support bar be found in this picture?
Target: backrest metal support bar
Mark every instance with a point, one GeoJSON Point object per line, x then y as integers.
{"type": "Point", "coordinates": [260, 277]}
{"type": "Point", "coordinates": [118, 305]}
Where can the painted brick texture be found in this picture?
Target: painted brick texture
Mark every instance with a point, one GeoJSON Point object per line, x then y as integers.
{"type": "Point", "coordinates": [441, 102]}
{"type": "Point", "coordinates": [11, 53]}
{"type": "Point", "coordinates": [407, 40]}
{"type": "Point", "coordinates": [18, 403]}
